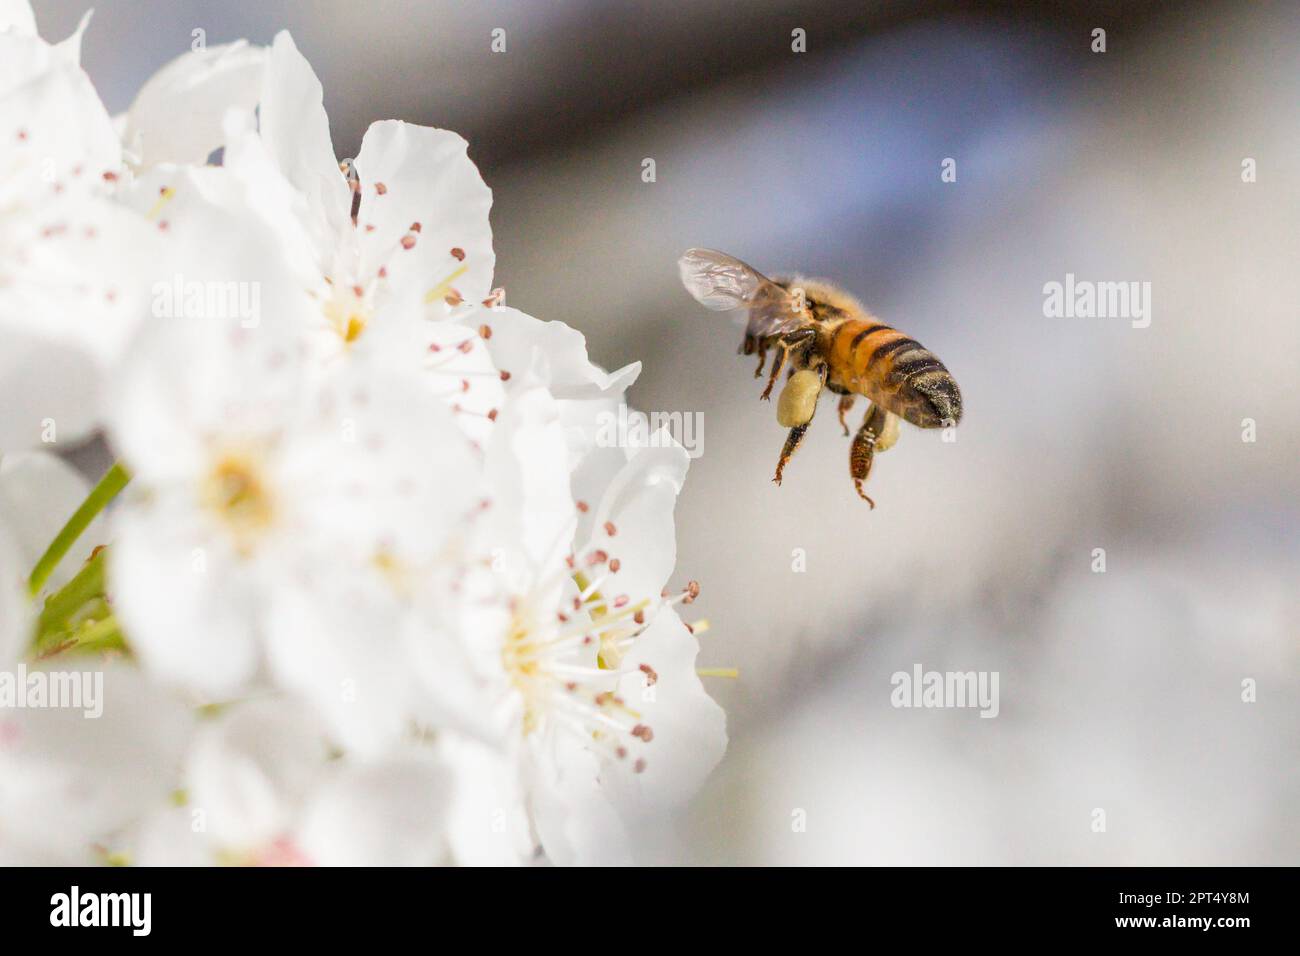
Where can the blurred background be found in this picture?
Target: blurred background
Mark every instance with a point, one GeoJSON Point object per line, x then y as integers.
{"type": "Point", "coordinates": [1120, 691]}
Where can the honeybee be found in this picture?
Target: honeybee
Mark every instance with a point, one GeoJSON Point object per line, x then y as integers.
{"type": "Point", "coordinates": [828, 340]}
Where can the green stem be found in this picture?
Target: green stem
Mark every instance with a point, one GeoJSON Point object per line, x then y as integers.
{"type": "Point", "coordinates": [104, 492]}
{"type": "Point", "coordinates": [71, 598]}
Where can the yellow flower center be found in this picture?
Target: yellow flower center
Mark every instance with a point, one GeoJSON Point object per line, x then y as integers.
{"type": "Point", "coordinates": [348, 310]}
{"type": "Point", "coordinates": [519, 657]}
{"type": "Point", "coordinates": [236, 493]}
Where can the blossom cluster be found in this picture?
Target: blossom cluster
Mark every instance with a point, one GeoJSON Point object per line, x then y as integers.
{"type": "Point", "coordinates": [363, 587]}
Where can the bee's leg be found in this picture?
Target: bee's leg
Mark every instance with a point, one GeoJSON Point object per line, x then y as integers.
{"type": "Point", "coordinates": [846, 406]}
{"type": "Point", "coordinates": [803, 339]}
{"type": "Point", "coordinates": [798, 431]}
{"type": "Point", "coordinates": [863, 449]}
{"type": "Point", "coordinates": [791, 445]}
{"type": "Point", "coordinates": [752, 344]}
{"type": "Point", "coordinates": [777, 365]}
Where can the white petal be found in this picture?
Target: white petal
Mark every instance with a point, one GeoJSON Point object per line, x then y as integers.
{"type": "Point", "coordinates": [296, 131]}
{"type": "Point", "coordinates": [532, 511]}
{"type": "Point", "coordinates": [170, 837]}
{"type": "Point", "coordinates": [49, 110]}
{"type": "Point", "coordinates": [219, 354]}
{"type": "Point", "coordinates": [556, 355]}
{"type": "Point", "coordinates": [451, 357]}
{"type": "Point", "coordinates": [46, 387]}
{"type": "Point", "coordinates": [66, 781]}
{"type": "Point", "coordinates": [638, 508]}
{"type": "Point", "coordinates": [177, 115]}
{"type": "Point", "coordinates": [73, 266]}
{"type": "Point", "coordinates": [690, 733]}
{"type": "Point", "coordinates": [253, 770]}
{"type": "Point", "coordinates": [224, 243]}
{"type": "Point", "coordinates": [520, 342]}
{"type": "Point", "coordinates": [16, 16]}
{"type": "Point", "coordinates": [385, 462]}
{"type": "Point", "coordinates": [487, 822]}
{"type": "Point", "coordinates": [345, 651]}
{"type": "Point", "coordinates": [16, 612]}
{"type": "Point", "coordinates": [427, 178]}
{"type": "Point", "coordinates": [577, 823]}
{"type": "Point", "coordinates": [389, 813]}
{"type": "Point", "coordinates": [267, 193]}
{"type": "Point", "coordinates": [191, 608]}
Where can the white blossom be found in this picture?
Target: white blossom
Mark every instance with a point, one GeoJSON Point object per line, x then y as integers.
{"type": "Point", "coordinates": [71, 260]}
{"type": "Point", "coordinates": [376, 592]}
{"type": "Point", "coordinates": [259, 788]}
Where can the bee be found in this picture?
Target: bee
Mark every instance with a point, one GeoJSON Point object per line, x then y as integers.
{"type": "Point", "coordinates": [829, 341]}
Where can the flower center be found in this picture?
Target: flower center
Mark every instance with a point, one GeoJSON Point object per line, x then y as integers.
{"type": "Point", "coordinates": [566, 664]}
{"type": "Point", "coordinates": [521, 662]}
{"type": "Point", "coordinates": [348, 310]}
{"type": "Point", "coordinates": [235, 492]}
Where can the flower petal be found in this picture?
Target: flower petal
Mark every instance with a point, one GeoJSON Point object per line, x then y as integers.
{"type": "Point", "coordinates": [190, 610]}
{"type": "Point", "coordinates": [633, 521]}
{"type": "Point", "coordinates": [252, 771]}
{"type": "Point", "coordinates": [518, 340]}
{"type": "Point", "coordinates": [67, 781]}
{"type": "Point", "coordinates": [388, 813]}
{"type": "Point", "coordinates": [419, 175]}
{"type": "Point", "coordinates": [177, 115]}
{"type": "Point", "coordinates": [532, 511]}
{"type": "Point", "coordinates": [296, 131]}
{"type": "Point", "coordinates": [16, 612]}
{"type": "Point", "coordinates": [690, 733]}
{"type": "Point", "coordinates": [16, 16]}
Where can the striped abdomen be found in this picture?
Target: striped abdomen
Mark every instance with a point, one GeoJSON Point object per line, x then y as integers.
{"type": "Point", "coordinates": [894, 371]}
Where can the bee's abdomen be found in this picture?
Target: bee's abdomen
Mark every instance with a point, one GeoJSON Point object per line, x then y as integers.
{"type": "Point", "coordinates": [896, 372]}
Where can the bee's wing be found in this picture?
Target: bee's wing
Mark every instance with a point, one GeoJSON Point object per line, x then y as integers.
{"type": "Point", "coordinates": [722, 282]}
